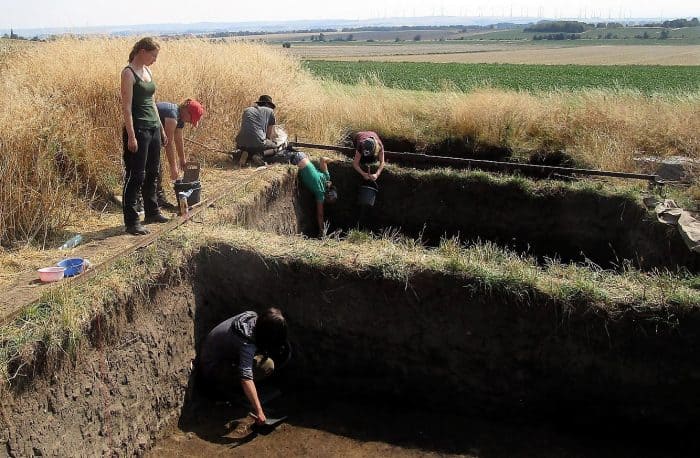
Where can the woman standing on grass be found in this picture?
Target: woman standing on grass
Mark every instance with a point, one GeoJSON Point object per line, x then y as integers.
{"type": "Point", "coordinates": [141, 136]}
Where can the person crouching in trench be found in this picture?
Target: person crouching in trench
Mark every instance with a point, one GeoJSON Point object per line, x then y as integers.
{"type": "Point", "coordinates": [236, 353]}
{"type": "Point", "coordinates": [318, 182]}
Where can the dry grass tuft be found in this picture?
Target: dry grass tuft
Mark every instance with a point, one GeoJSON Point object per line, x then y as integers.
{"type": "Point", "coordinates": [61, 144]}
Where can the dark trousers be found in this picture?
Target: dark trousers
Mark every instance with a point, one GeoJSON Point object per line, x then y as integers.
{"type": "Point", "coordinates": [141, 173]}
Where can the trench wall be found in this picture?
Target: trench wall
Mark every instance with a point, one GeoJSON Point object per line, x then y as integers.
{"type": "Point", "coordinates": [130, 380]}
{"type": "Point", "coordinates": [563, 223]}
{"type": "Point", "coordinates": [444, 342]}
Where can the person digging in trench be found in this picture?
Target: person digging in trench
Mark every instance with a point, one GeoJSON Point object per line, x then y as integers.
{"type": "Point", "coordinates": [318, 182]}
{"type": "Point", "coordinates": [237, 353]}
{"type": "Point", "coordinates": [368, 150]}
{"type": "Point", "coordinates": [173, 118]}
{"type": "Point", "coordinates": [257, 131]}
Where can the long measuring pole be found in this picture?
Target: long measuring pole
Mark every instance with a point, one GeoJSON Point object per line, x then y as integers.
{"type": "Point", "coordinates": [486, 165]}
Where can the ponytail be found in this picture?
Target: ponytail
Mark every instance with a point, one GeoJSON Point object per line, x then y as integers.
{"type": "Point", "coordinates": [147, 44]}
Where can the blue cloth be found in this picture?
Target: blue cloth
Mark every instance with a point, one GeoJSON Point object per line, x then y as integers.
{"type": "Point", "coordinates": [169, 110]}
{"type": "Point", "coordinates": [231, 343]}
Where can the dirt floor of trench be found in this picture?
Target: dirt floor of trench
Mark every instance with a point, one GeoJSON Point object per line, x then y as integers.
{"type": "Point", "coordinates": [352, 428]}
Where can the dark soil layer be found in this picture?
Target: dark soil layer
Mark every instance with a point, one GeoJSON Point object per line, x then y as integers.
{"type": "Point", "coordinates": [442, 343]}
{"type": "Point", "coordinates": [469, 148]}
{"type": "Point", "coordinates": [556, 222]}
{"type": "Point", "coordinates": [117, 395]}
{"type": "Point", "coordinates": [129, 381]}
{"type": "Point", "coordinates": [463, 147]}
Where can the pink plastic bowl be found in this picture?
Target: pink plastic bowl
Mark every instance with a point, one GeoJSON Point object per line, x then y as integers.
{"type": "Point", "coordinates": [48, 274]}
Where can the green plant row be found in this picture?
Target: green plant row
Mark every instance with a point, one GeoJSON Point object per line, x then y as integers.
{"type": "Point", "coordinates": [427, 76]}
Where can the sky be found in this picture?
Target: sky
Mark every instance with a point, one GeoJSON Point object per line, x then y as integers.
{"type": "Point", "coordinates": [80, 13]}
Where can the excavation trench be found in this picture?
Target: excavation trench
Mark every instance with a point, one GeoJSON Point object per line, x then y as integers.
{"type": "Point", "coordinates": [470, 148]}
{"type": "Point", "coordinates": [559, 222]}
{"type": "Point", "coordinates": [428, 363]}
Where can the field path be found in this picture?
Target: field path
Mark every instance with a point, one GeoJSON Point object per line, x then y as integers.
{"type": "Point", "coordinates": [579, 55]}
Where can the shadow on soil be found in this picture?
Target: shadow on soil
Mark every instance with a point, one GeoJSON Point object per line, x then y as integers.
{"type": "Point", "coordinates": [437, 368]}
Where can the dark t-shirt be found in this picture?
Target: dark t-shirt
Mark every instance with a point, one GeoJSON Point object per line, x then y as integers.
{"type": "Point", "coordinates": [254, 124]}
{"type": "Point", "coordinates": [169, 110]}
{"type": "Point", "coordinates": [230, 343]}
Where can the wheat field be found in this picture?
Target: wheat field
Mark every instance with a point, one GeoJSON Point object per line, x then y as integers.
{"type": "Point", "coordinates": [60, 144]}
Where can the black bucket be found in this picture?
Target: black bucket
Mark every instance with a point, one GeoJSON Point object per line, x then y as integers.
{"type": "Point", "coordinates": [367, 195]}
{"type": "Point", "coordinates": [194, 189]}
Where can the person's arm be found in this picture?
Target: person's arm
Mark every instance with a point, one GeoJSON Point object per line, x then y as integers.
{"type": "Point", "coordinates": [252, 394]}
{"type": "Point", "coordinates": [271, 126]}
{"type": "Point", "coordinates": [127, 95]}
{"type": "Point", "coordinates": [170, 128]}
{"type": "Point", "coordinates": [356, 166]}
{"type": "Point", "coordinates": [163, 135]}
{"type": "Point", "coordinates": [376, 174]}
{"type": "Point", "coordinates": [319, 217]}
{"type": "Point", "coordinates": [246, 357]}
{"type": "Point", "coordinates": [180, 147]}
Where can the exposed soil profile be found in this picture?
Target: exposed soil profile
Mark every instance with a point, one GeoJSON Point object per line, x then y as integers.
{"type": "Point", "coordinates": [462, 147]}
{"type": "Point", "coordinates": [434, 363]}
{"type": "Point", "coordinates": [569, 224]}
{"type": "Point", "coordinates": [436, 340]}
{"type": "Point", "coordinates": [446, 368]}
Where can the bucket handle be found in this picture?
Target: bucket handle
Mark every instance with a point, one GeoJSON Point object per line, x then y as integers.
{"type": "Point", "coordinates": [372, 183]}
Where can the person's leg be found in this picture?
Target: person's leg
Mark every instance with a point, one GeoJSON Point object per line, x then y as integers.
{"type": "Point", "coordinates": [160, 192]}
{"type": "Point", "coordinates": [269, 148]}
{"type": "Point", "coordinates": [152, 166]}
{"type": "Point", "coordinates": [134, 174]}
{"type": "Point", "coordinates": [222, 381]}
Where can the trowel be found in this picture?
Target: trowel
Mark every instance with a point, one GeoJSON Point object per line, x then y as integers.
{"type": "Point", "coordinates": [269, 422]}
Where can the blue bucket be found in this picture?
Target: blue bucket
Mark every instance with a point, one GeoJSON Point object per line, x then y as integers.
{"type": "Point", "coordinates": [73, 266]}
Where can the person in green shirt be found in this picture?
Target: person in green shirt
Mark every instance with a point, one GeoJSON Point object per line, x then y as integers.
{"type": "Point", "coordinates": [318, 182]}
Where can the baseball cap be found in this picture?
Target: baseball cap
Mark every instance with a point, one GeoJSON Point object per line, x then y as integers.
{"type": "Point", "coordinates": [196, 111]}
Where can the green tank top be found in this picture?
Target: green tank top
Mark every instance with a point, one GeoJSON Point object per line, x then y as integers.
{"type": "Point", "coordinates": [143, 111]}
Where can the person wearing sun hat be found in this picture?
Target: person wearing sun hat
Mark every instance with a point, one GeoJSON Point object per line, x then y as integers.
{"type": "Point", "coordinates": [173, 117]}
{"type": "Point", "coordinates": [257, 128]}
{"type": "Point", "coordinates": [368, 151]}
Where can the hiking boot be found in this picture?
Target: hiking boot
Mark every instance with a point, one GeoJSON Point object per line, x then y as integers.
{"type": "Point", "coordinates": [163, 203]}
{"type": "Point", "coordinates": [243, 159]}
{"type": "Point", "coordinates": [137, 229]}
{"type": "Point", "coordinates": [157, 218]}
{"type": "Point", "coordinates": [257, 160]}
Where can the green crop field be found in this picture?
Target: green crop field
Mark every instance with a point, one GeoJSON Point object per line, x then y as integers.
{"type": "Point", "coordinates": [434, 76]}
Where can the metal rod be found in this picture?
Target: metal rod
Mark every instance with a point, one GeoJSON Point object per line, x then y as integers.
{"type": "Point", "coordinates": [485, 164]}
{"type": "Point", "coordinates": [215, 150]}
